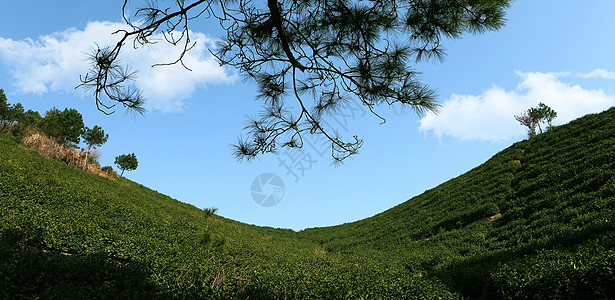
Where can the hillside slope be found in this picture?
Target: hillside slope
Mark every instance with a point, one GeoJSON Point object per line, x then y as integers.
{"type": "Point", "coordinates": [536, 220]}
{"type": "Point", "coordinates": [69, 234]}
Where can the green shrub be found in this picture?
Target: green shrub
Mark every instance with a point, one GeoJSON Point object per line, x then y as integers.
{"type": "Point", "coordinates": [108, 169]}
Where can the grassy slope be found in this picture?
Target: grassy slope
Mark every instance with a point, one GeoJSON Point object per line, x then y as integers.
{"type": "Point", "coordinates": [65, 233]}
{"type": "Point", "coordinates": [556, 197]}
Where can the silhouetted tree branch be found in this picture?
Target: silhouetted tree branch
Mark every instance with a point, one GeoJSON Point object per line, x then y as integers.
{"type": "Point", "coordinates": [344, 50]}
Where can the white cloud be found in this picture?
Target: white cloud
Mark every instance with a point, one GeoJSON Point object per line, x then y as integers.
{"type": "Point", "coordinates": [489, 116]}
{"type": "Point", "coordinates": [54, 62]}
{"type": "Point", "coordinates": [599, 73]}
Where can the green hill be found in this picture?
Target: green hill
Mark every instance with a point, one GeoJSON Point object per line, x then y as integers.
{"type": "Point", "coordinates": [535, 221]}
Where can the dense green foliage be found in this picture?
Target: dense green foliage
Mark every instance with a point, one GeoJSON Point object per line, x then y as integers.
{"type": "Point", "coordinates": [65, 124]}
{"type": "Point", "coordinates": [15, 113]}
{"type": "Point", "coordinates": [94, 137]}
{"type": "Point", "coordinates": [535, 221]}
{"type": "Point", "coordinates": [126, 162]}
{"type": "Point", "coordinates": [4, 107]}
{"type": "Point", "coordinates": [544, 114]}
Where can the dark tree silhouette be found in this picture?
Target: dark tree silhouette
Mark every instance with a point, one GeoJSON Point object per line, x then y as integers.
{"type": "Point", "coordinates": [321, 54]}
{"type": "Point", "coordinates": [4, 107]}
{"type": "Point", "coordinates": [16, 113]}
{"type": "Point", "coordinates": [10, 113]}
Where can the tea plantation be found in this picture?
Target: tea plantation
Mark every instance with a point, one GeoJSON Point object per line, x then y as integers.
{"type": "Point", "coordinates": [535, 221]}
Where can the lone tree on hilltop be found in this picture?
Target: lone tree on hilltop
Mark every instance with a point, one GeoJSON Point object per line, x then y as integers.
{"type": "Point", "coordinates": [543, 113]}
{"type": "Point", "coordinates": [321, 54]}
{"type": "Point", "coordinates": [94, 137]}
{"type": "Point", "coordinates": [536, 115]}
{"type": "Point", "coordinates": [126, 162]}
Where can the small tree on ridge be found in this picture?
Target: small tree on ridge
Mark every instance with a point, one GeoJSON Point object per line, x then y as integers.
{"type": "Point", "coordinates": [532, 118]}
{"type": "Point", "coordinates": [94, 137]}
{"type": "Point", "coordinates": [126, 162]}
{"type": "Point", "coordinates": [544, 114]}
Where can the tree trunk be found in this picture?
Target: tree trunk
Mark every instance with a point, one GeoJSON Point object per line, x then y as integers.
{"type": "Point", "coordinates": [85, 162]}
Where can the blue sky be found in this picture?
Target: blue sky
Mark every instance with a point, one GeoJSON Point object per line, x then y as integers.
{"type": "Point", "coordinates": [556, 52]}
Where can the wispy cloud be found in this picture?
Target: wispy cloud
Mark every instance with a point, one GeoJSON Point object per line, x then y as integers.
{"type": "Point", "coordinates": [489, 115]}
{"type": "Point", "coordinates": [598, 73]}
{"type": "Point", "coordinates": [53, 63]}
